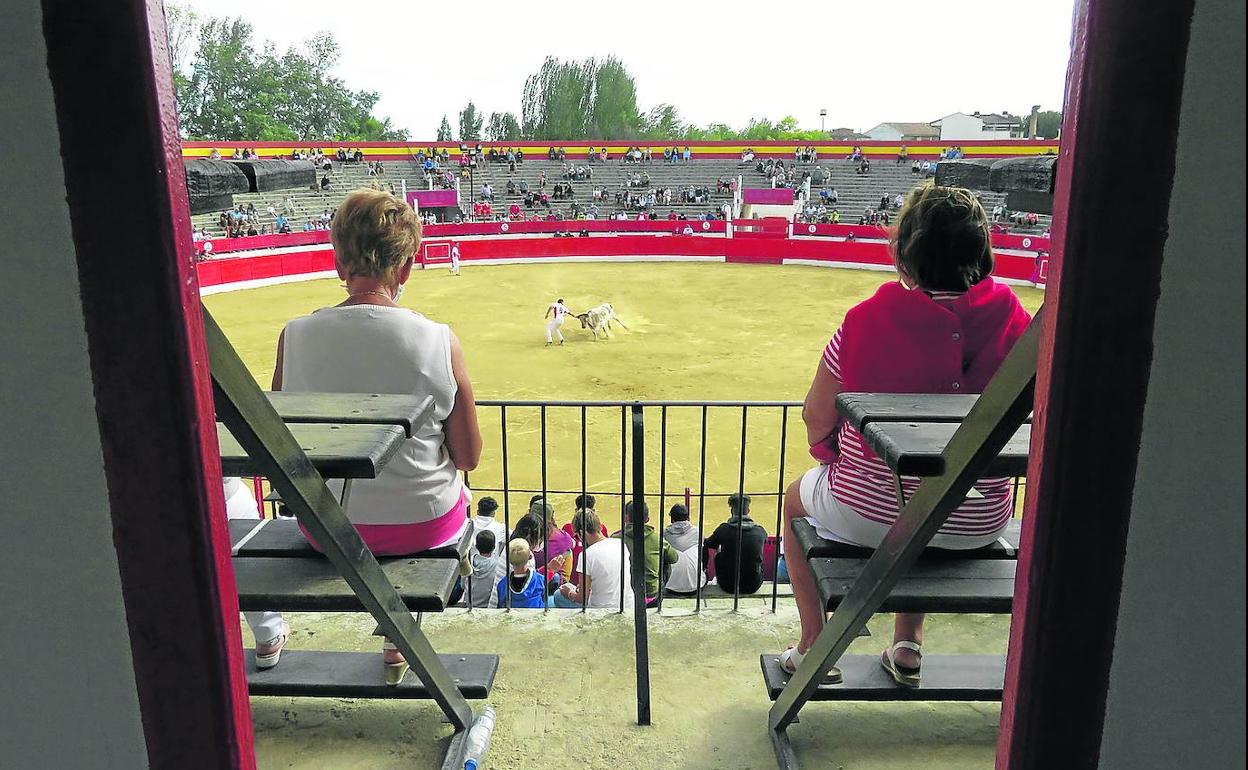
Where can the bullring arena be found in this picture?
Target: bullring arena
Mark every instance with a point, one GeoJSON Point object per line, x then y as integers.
{"type": "Point", "coordinates": [736, 312]}
{"type": "Point", "coordinates": [1047, 465]}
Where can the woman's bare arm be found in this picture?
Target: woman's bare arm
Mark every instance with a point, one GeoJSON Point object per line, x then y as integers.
{"type": "Point", "coordinates": [819, 410]}
{"type": "Point", "coordinates": [463, 433]}
{"type": "Point", "coordinates": [281, 352]}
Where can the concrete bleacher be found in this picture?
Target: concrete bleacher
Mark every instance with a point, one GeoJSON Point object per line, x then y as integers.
{"type": "Point", "coordinates": [857, 193]}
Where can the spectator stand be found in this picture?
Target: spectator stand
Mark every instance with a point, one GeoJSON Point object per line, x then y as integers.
{"type": "Point", "coordinates": [287, 575]}
{"type": "Point", "coordinates": [899, 576]}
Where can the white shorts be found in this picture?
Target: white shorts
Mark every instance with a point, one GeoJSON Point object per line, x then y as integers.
{"type": "Point", "coordinates": [834, 520]}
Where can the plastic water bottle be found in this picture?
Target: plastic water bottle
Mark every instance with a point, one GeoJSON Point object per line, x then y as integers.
{"type": "Point", "coordinates": [479, 738]}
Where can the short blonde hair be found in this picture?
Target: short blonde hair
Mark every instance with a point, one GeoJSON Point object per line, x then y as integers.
{"type": "Point", "coordinates": [374, 233]}
{"type": "Point", "coordinates": [519, 553]}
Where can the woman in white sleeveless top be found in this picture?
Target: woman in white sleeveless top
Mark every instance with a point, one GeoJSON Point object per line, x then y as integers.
{"type": "Point", "coordinates": [368, 344]}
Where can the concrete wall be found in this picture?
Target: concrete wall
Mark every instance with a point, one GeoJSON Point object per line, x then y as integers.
{"type": "Point", "coordinates": [1176, 695]}
{"type": "Point", "coordinates": [68, 693]}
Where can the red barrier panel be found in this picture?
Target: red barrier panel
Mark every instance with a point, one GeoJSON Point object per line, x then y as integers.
{"type": "Point", "coordinates": [263, 242]}
{"type": "Point", "coordinates": [538, 248]}
{"type": "Point", "coordinates": [590, 225]}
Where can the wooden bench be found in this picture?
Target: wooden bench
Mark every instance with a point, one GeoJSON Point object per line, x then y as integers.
{"type": "Point", "coordinates": [910, 433]}
{"type": "Point", "coordinates": [277, 569]}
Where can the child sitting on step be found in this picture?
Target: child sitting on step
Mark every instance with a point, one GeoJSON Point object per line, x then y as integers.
{"type": "Point", "coordinates": [524, 584]}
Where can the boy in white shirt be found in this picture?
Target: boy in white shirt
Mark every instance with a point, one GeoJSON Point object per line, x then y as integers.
{"type": "Point", "coordinates": [600, 568]}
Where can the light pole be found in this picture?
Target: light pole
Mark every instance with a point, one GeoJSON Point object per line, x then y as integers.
{"type": "Point", "coordinates": [823, 114]}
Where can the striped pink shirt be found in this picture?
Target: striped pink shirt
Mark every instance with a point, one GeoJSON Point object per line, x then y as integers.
{"type": "Point", "coordinates": [864, 482]}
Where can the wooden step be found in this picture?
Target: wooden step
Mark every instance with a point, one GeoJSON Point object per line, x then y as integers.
{"type": "Point", "coordinates": [983, 585]}
{"type": "Point", "coordinates": [291, 585]}
{"type": "Point", "coordinates": [312, 674]}
{"type": "Point", "coordinates": [945, 678]}
{"type": "Point", "coordinates": [809, 543]}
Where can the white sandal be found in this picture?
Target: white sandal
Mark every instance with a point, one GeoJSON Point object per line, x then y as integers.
{"type": "Point", "coordinates": [273, 649]}
{"type": "Point", "coordinates": [790, 659]}
{"type": "Point", "coordinates": [394, 672]}
{"type": "Point", "coordinates": [906, 677]}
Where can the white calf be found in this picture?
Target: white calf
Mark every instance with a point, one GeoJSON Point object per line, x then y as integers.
{"type": "Point", "coordinates": [599, 319]}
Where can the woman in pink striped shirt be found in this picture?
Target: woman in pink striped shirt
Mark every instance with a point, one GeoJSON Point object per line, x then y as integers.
{"type": "Point", "coordinates": [944, 327]}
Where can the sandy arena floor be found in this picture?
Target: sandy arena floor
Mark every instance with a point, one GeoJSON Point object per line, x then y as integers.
{"type": "Point", "coordinates": [565, 687]}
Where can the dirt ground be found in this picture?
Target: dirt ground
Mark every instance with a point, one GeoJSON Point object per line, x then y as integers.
{"type": "Point", "coordinates": [565, 688]}
{"type": "Point", "coordinates": [566, 699]}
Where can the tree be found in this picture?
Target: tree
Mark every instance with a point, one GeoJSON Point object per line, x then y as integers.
{"type": "Point", "coordinates": [613, 114]}
{"type": "Point", "coordinates": [444, 130]}
{"type": "Point", "coordinates": [1048, 124]}
{"type": "Point", "coordinates": [181, 24]}
{"type": "Point", "coordinates": [234, 92]}
{"type": "Point", "coordinates": [470, 123]}
{"type": "Point", "coordinates": [557, 100]}
{"type": "Point", "coordinates": [502, 127]}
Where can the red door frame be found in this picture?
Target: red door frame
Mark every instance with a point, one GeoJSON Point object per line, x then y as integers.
{"type": "Point", "coordinates": [115, 108]}
{"type": "Point", "coordinates": [113, 88]}
{"type": "Point", "coordinates": [1115, 170]}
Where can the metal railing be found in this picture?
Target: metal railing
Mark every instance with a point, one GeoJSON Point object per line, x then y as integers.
{"type": "Point", "coordinates": [758, 467]}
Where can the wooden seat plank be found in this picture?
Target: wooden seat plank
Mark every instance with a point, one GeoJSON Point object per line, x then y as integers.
{"type": "Point", "coordinates": [359, 675]}
{"type": "Point", "coordinates": [914, 449]}
{"type": "Point", "coordinates": [810, 544]}
{"type": "Point", "coordinates": [945, 678]}
{"type": "Point", "coordinates": [980, 585]}
{"type": "Point", "coordinates": [281, 538]}
{"type": "Point", "coordinates": [291, 585]}
{"type": "Point", "coordinates": [861, 409]}
{"type": "Point", "coordinates": [336, 451]}
{"type": "Point", "coordinates": [408, 412]}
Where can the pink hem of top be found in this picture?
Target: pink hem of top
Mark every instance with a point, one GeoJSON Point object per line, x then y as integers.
{"type": "Point", "coordinates": [405, 539]}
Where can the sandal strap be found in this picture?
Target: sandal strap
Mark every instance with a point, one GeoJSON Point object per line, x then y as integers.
{"type": "Point", "coordinates": [905, 644]}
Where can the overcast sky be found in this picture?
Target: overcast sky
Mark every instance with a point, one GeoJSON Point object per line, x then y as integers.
{"type": "Point", "coordinates": [866, 62]}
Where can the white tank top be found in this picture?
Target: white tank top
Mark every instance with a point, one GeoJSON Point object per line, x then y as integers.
{"type": "Point", "coordinates": [376, 349]}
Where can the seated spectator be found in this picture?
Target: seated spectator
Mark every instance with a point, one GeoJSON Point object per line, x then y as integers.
{"type": "Point", "coordinates": [947, 326]}
{"type": "Point", "coordinates": [915, 168]}
{"type": "Point", "coordinates": [484, 521]}
{"type": "Point", "coordinates": [368, 343]}
{"type": "Point", "coordinates": [654, 543]}
{"type": "Point", "coordinates": [686, 574]}
{"type": "Point", "coordinates": [488, 570]}
{"type": "Point", "coordinates": [215, 154]}
{"type": "Point", "coordinates": [599, 568]}
{"type": "Point", "coordinates": [511, 187]}
{"type": "Point", "coordinates": [325, 182]}
{"type": "Point", "coordinates": [739, 549]}
{"type": "Point", "coordinates": [523, 187]}
{"type": "Point", "coordinates": [903, 154]}
{"type": "Point", "coordinates": [555, 546]}
{"type": "Point", "coordinates": [583, 502]}
{"type": "Point", "coordinates": [523, 587]}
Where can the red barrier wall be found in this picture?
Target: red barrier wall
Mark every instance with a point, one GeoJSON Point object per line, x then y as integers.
{"type": "Point", "coordinates": [532, 241]}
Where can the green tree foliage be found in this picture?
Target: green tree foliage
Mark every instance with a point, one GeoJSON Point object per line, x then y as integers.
{"type": "Point", "coordinates": [613, 111]}
{"type": "Point", "coordinates": [502, 127]}
{"type": "Point", "coordinates": [1048, 124]}
{"type": "Point", "coordinates": [444, 130]}
{"type": "Point", "coordinates": [232, 91]}
{"type": "Point", "coordinates": [470, 123]}
{"type": "Point", "coordinates": [558, 100]}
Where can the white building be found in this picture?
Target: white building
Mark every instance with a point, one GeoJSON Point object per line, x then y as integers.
{"type": "Point", "coordinates": [899, 132]}
{"type": "Point", "coordinates": [961, 127]}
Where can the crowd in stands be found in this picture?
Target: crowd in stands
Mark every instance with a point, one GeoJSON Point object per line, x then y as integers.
{"type": "Point", "coordinates": [542, 563]}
